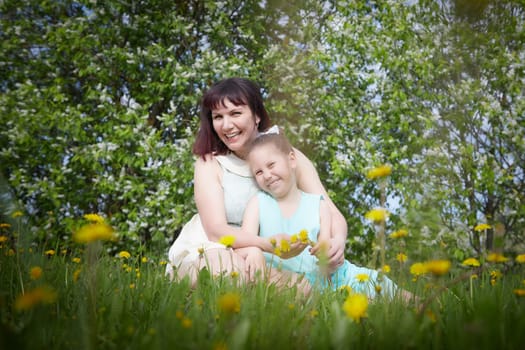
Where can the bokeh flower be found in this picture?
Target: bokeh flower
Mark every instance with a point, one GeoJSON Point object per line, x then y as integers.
{"type": "Point", "coordinates": [496, 258]}
{"type": "Point", "coordinates": [418, 269]}
{"type": "Point", "coordinates": [386, 268]}
{"type": "Point", "coordinates": [401, 257]}
{"type": "Point", "coordinates": [520, 259]}
{"type": "Point", "coordinates": [124, 255]}
{"type": "Point", "coordinates": [35, 272]}
{"type": "Point", "coordinates": [94, 218]}
{"type": "Point", "coordinates": [362, 277]}
{"type": "Point", "coordinates": [50, 252]}
{"type": "Point", "coordinates": [377, 215]}
{"type": "Point", "coordinates": [3, 239]}
{"type": "Point", "coordinates": [438, 267]}
{"type": "Point", "coordinates": [399, 234]}
{"type": "Point", "coordinates": [471, 262]}
{"type": "Point", "coordinates": [519, 292]}
{"type": "Point", "coordinates": [355, 306]}
{"type": "Point", "coordinates": [16, 214]}
{"type": "Point", "coordinates": [227, 240]}
{"type": "Point", "coordinates": [32, 298]}
{"type": "Point", "coordinates": [482, 227]}
{"type": "Point", "coordinates": [94, 232]}
{"type": "Point", "coordinates": [229, 303]}
{"type": "Point", "coordinates": [380, 171]}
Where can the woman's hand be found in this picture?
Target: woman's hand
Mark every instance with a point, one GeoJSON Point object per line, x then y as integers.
{"type": "Point", "coordinates": [296, 248]}
{"type": "Point", "coordinates": [253, 261]}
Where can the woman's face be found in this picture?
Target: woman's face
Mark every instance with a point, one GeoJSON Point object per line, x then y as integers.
{"type": "Point", "coordinates": [235, 125]}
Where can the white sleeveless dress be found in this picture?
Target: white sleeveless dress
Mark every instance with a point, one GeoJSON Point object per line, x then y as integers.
{"type": "Point", "coordinates": [239, 186]}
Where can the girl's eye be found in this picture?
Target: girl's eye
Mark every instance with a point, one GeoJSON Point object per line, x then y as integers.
{"type": "Point", "coordinates": [216, 117]}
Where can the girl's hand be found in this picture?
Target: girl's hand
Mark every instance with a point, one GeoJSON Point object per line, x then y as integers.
{"type": "Point", "coordinates": [287, 249]}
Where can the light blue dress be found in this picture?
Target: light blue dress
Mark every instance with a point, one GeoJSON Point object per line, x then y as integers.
{"type": "Point", "coordinates": [307, 217]}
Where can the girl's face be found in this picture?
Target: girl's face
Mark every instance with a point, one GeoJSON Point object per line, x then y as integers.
{"type": "Point", "coordinates": [235, 125]}
{"type": "Point", "coordinates": [273, 170]}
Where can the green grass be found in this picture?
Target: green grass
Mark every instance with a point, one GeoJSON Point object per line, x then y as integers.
{"type": "Point", "coordinates": [130, 304]}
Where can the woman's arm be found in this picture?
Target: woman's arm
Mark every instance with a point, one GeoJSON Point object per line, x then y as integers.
{"type": "Point", "coordinates": [308, 181]}
{"type": "Point", "coordinates": [209, 199]}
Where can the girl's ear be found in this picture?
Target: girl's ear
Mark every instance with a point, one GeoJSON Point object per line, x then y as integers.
{"type": "Point", "coordinates": [292, 159]}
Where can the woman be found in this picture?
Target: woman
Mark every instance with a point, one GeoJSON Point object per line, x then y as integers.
{"type": "Point", "coordinates": [232, 115]}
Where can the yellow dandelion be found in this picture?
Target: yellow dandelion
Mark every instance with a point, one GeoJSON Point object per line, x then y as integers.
{"type": "Point", "coordinates": [201, 252]}
{"type": "Point", "coordinates": [355, 306]}
{"type": "Point", "coordinates": [401, 257]}
{"type": "Point", "coordinates": [220, 346]}
{"type": "Point", "coordinates": [431, 315]}
{"type": "Point", "coordinates": [291, 306]}
{"type": "Point", "coordinates": [381, 171]}
{"type": "Point", "coordinates": [144, 260]}
{"type": "Point", "coordinates": [378, 288]}
{"type": "Point", "coordinates": [227, 240]}
{"type": "Point", "coordinates": [32, 298]}
{"type": "Point", "coordinates": [399, 234]}
{"type": "Point", "coordinates": [94, 218]}
{"type": "Point", "coordinates": [277, 251]}
{"type": "Point", "coordinates": [285, 246]}
{"type": "Point", "coordinates": [438, 267]}
{"type": "Point", "coordinates": [234, 274]}
{"type": "Point", "coordinates": [16, 214]}
{"type": "Point", "coordinates": [520, 259]}
{"type": "Point", "coordinates": [362, 277]}
{"type": "Point", "coordinates": [474, 277]}
{"type": "Point", "coordinates": [496, 258]}
{"type": "Point", "coordinates": [94, 232]}
{"type": "Point", "coordinates": [50, 252]}
{"type": "Point", "coordinates": [186, 322]}
{"type": "Point", "coordinates": [519, 292]}
{"type": "Point", "coordinates": [314, 313]}
{"type": "Point", "coordinates": [163, 262]}
{"type": "Point", "coordinates": [418, 269]}
{"type": "Point", "coordinates": [132, 286]}
{"type": "Point", "coordinates": [3, 239]}
{"type": "Point", "coordinates": [5, 225]}
{"type": "Point", "coordinates": [471, 262]}
{"type": "Point", "coordinates": [10, 252]}
{"type": "Point", "coordinates": [293, 238]}
{"type": "Point", "coordinates": [76, 260]}
{"type": "Point", "coordinates": [273, 242]}
{"type": "Point", "coordinates": [377, 215]}
{"type": "Point", "coordinates": [386, 268]}
{"type": "Point", "coordinates": [230, 303]}
{"type": "Point", "coordinates": [179, 314]}
{"type": "Point", "coordinates": [35, 272]}
{"type": "Point", "coordinates": [124, 255]}
{"type": "Point", "coordinates": [482, 227]}
{"type": "Point", "coordinates": [495, 274]}
{"type": "Point", "coordinates": [347, 289]}
{"type": "Point", "coordinates": [76, 275]}
{"type": "Point", "coordinates": [303, 236]}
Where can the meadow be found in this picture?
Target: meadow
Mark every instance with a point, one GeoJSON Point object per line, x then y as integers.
{"type": "Point", "coordinates": [84, 297]}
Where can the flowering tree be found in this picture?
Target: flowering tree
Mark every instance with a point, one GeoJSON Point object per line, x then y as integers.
{"type": "Point", "coordinates": [99, 103]}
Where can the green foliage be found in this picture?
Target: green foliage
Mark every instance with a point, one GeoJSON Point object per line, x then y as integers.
{"type": "Point", "coordinates": [99, 103]}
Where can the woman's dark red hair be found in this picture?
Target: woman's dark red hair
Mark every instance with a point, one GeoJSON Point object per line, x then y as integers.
{"type": "Point", "coordinates": [239, 91]}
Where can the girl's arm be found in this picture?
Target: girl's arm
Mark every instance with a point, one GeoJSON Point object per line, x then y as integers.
{"type": "Point", "coordinates": [209, 199]}
{"type": "Point", "coordinates": [308, 181]}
